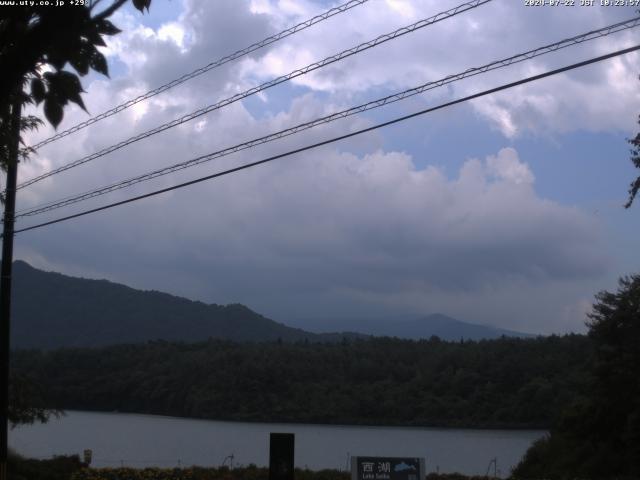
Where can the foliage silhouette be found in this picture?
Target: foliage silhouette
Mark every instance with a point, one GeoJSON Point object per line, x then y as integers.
{"type": "Point", "coordinates": [599, 435]}
{"type": "Point", "coordinates": [510, 383]}
{"type": "Point", "coordinates": [37, 42]}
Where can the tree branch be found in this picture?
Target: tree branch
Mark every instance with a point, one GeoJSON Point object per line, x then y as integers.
{"type": "Point", "coordinates": [110, 11]}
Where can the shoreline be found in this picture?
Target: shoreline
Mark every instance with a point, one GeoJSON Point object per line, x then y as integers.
{"type": "Point", "coordinates": [482, 428]}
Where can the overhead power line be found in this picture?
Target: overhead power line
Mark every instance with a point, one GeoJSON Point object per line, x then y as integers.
{"type": "Point", "coordinates": [296, 73]}
{"type": "Point", "coordinates": [617, 27]}
{"type": "Point", "coordinates": [339, 138]}
{"type": "Point", "coordinates": [199, 71]}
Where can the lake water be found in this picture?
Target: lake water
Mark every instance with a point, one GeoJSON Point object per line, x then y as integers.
{"type": "Point", "coordinates": [147, 440]}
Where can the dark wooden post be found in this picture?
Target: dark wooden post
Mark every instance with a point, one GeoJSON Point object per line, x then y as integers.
{"type": "Point", "coordinates": [281, 451]}
{"type": "Point", "coordinates": [5, 281]}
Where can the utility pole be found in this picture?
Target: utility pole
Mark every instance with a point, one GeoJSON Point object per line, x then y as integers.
{"type": "Point", "coordinates": [5, 279]}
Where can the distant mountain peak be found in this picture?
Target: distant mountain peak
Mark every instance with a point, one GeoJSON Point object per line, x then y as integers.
{"type": "Point", "coordinates": [417, 327]}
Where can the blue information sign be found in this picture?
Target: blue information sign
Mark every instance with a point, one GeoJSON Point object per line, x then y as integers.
{"type": "Point", "coordinates": [387, 468]}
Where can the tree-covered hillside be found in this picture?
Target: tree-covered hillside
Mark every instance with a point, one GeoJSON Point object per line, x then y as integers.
{"type": "Point", "coordinates": [598, 437]}
{"type": "Point", "coordinates": [51, 310]}
{"type": "Point", "coordinates": [497, 383]}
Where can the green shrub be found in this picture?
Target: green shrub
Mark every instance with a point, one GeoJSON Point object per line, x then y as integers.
{"type": "Point", "coordinates": [57, 468]}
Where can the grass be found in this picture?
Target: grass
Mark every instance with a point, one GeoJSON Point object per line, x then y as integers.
{"type": "Point", "coordinates": [71, 468]}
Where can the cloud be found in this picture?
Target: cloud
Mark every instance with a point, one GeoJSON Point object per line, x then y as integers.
{"type": "Point", "coordinates": [506, 165]}
{"type": "Point", "coordinates": [336, 228]}
{"type": "Point", "coordinates": [355, 227]}
{"type": "Point", "coordinates": [492, 32]}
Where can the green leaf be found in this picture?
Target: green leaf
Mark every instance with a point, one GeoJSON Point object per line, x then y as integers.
{"type": "Point", "coordinates": [30, 122]}
{"type": "Point", "coordinates": [142, 4]}
{"type": "Point", "coordinates": [93, 36]}
{"type": "Point", "coordinates": [105, 27]}
{"type": "Point", "coordinates": [53, 111]}
{"type": "Point", "coordinates": [37, 90]}
{"type": "Point", "coordinates": [99, 63]}
{"type": "Point", "coordinates": [56, 58]}
{"type": "Point", "coordinates": [68, 87]}
{"type": "Point", "coordinates": [81, 64]}
{"type": "Point", "coordinates": [80, 59]}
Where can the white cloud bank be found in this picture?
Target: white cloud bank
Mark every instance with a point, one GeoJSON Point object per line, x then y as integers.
{"type": "Point", "coordinates": [333, 231]}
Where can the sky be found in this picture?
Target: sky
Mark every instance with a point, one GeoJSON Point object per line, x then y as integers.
{"type": "Point", "coordinates": [506, 210]}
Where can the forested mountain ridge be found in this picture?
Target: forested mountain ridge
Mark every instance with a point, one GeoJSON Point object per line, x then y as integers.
{"type": "Point", "coordinates": [504, 383]}
{"type": "Point", "coordinates": [52, 310]}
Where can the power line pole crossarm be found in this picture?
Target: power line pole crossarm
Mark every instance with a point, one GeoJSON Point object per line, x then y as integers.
{"type": "Point", "coordinates": [5, 280]}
